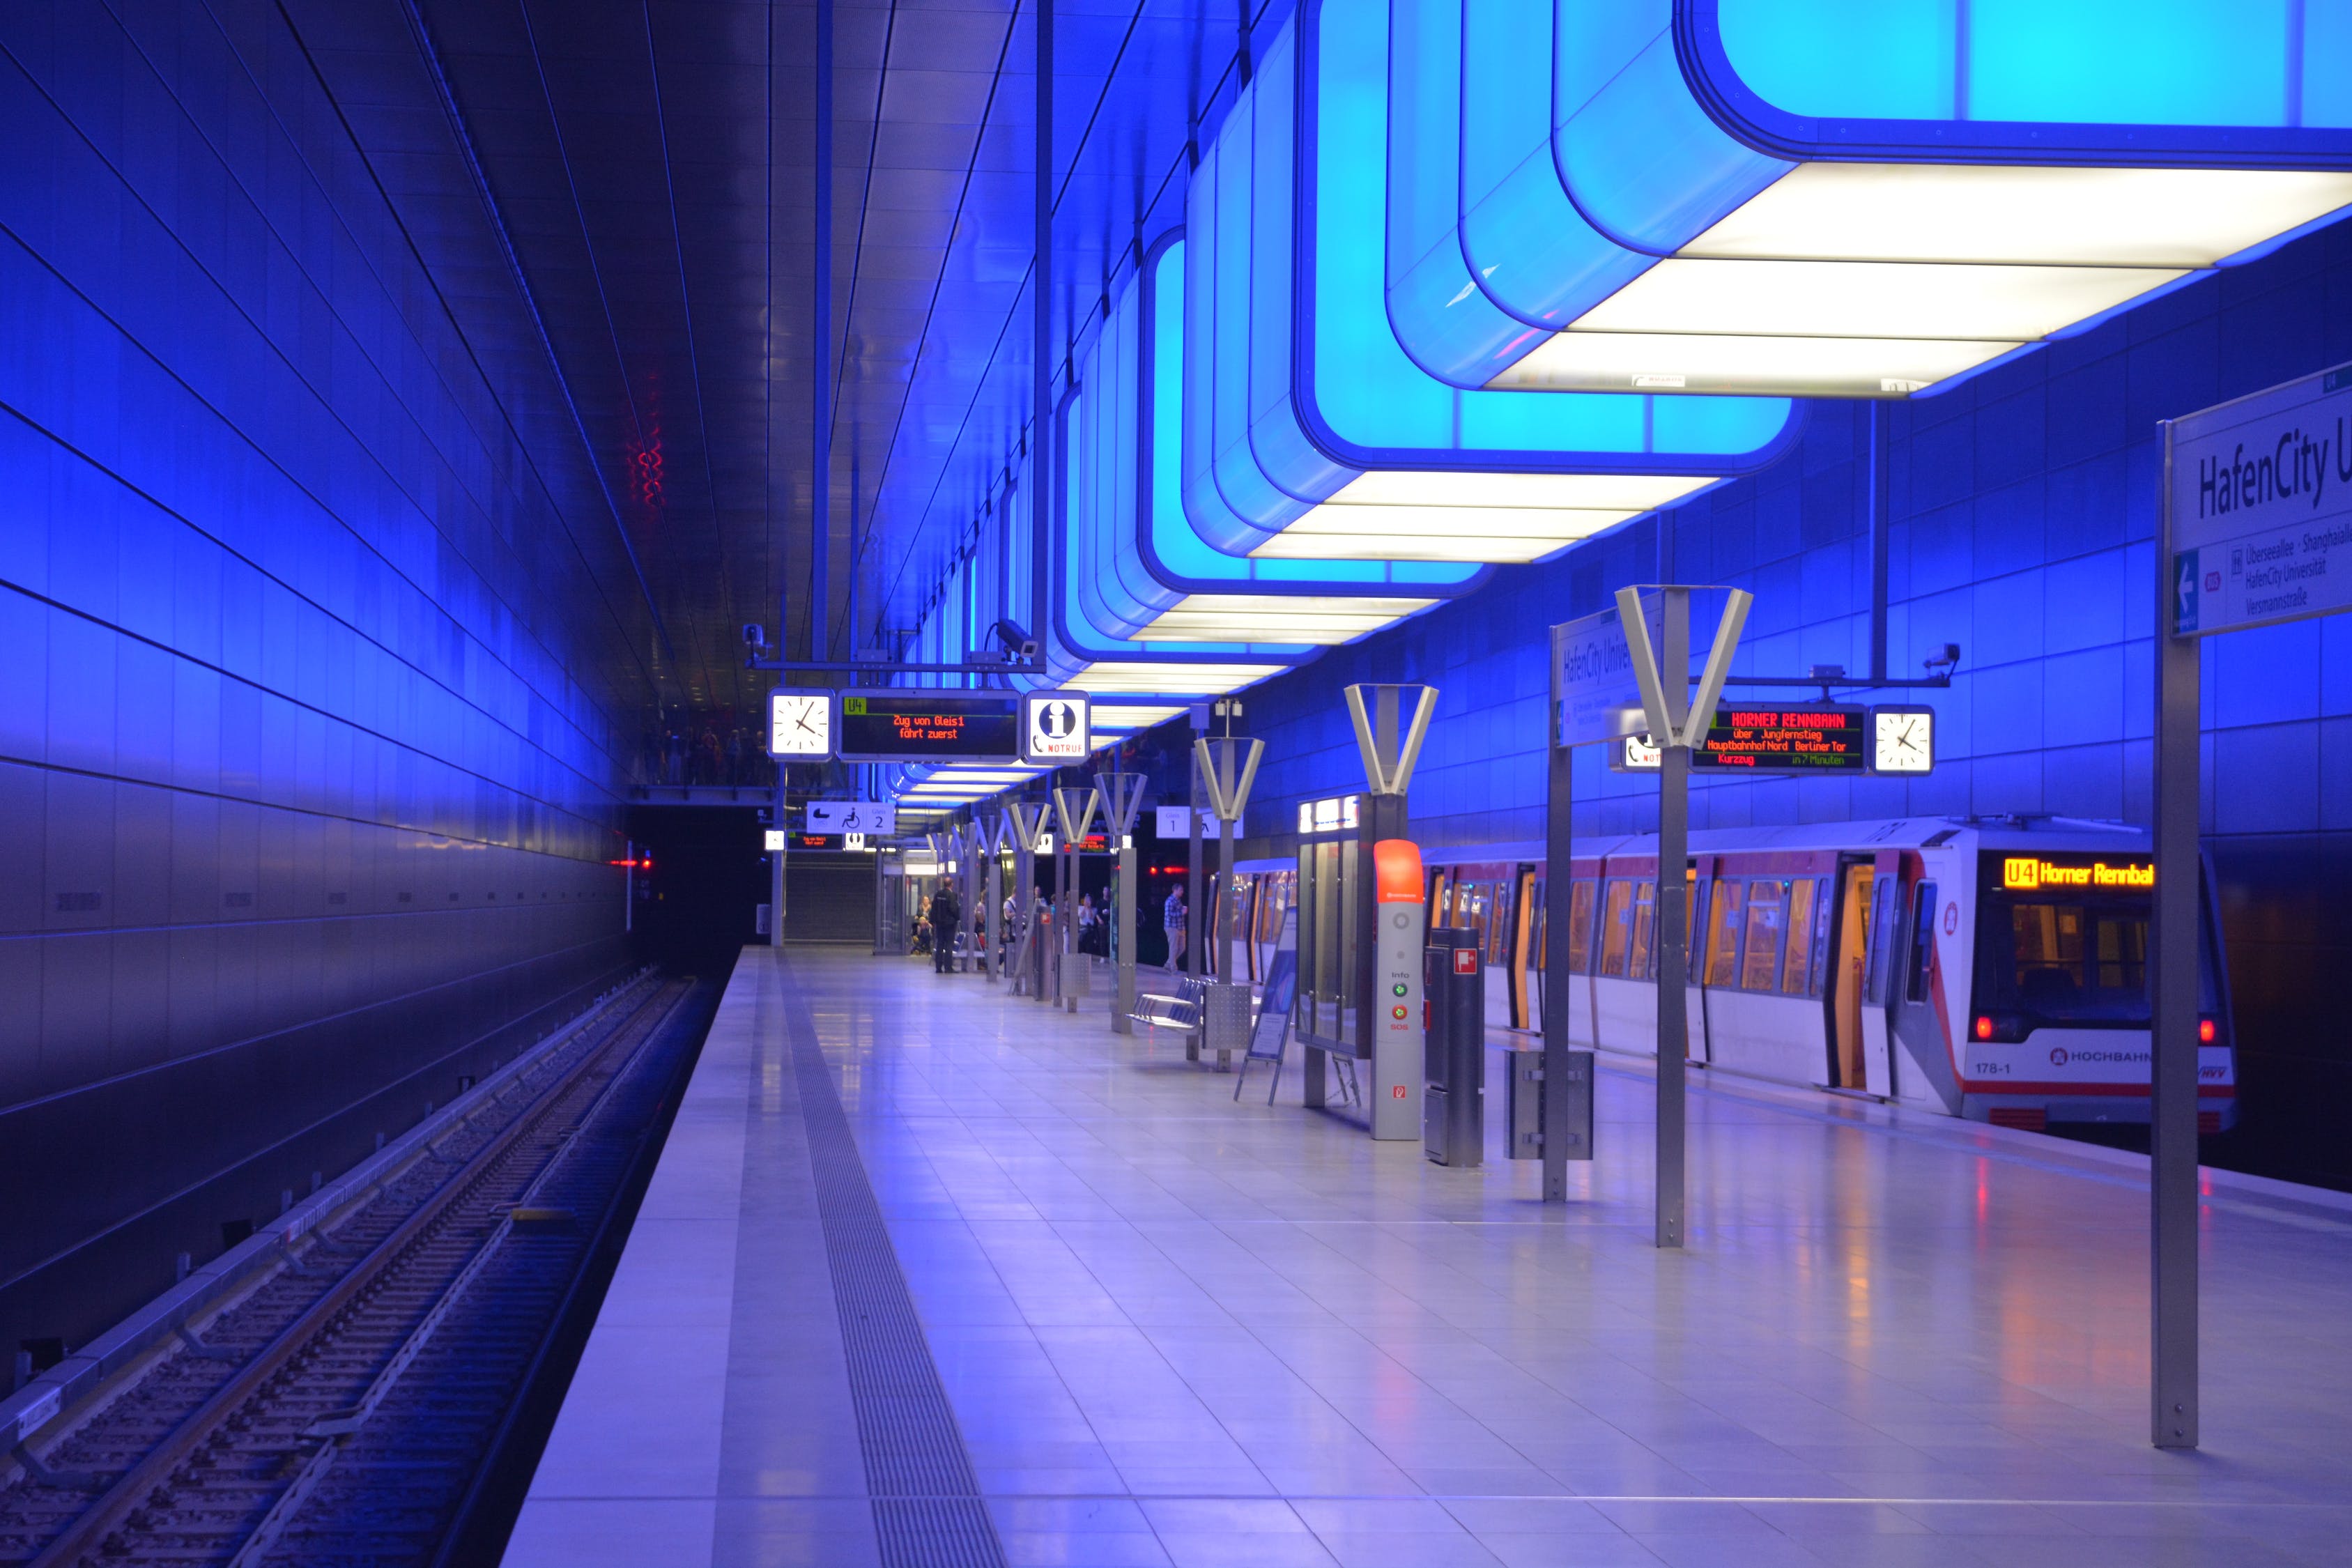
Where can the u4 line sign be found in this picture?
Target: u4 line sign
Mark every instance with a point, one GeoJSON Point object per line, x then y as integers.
{"type": "Point", "coordinates": [2260, 497]}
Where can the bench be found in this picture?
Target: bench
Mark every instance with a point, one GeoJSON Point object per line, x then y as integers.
{"type": "Point", "coordinates": [1181, 1012]}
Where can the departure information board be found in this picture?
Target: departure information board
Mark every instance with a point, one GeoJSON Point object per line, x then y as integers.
{"type": "Point", "coordinates": [1816, 737]}
{"type": "Point", "coordinates": [910, 724]}
{"type": "Point", "coordinates": [1831, 738]}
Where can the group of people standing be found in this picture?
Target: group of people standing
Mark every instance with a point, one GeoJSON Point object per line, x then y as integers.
{"type": "Point", "coordinates": [944, 914]}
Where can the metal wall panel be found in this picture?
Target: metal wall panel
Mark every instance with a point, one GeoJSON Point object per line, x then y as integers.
{"type": "Point", "coordinates": [313, 679]}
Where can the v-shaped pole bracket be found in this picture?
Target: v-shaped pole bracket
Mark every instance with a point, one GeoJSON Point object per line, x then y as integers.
{"type": "Point", "coordinates": [1024, 821]}
{"type": "Point", "coordinates": [1074, 808]}
{"type": "Point", "coordinates": [1676, 715]}
{"type": "Point", "coordinates": [1228, 768]}
{"type": "Point", "coordinates": [1122, 802]}
{"type": "Point", "coordinates": [1390, 753]}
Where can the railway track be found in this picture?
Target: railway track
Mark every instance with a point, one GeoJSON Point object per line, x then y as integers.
{"type": "Point", "coordinates": [343, 1411]}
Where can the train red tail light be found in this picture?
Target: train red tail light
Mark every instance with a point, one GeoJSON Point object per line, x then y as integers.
{"type": "Point", "coordinates": [1984, 1028]}
{"type": "Point", "coordinates": [2205, 1031]}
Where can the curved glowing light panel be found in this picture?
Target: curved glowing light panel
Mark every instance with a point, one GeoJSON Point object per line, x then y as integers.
{"type": "Point", "coordinates": [1129, 520]}
{"type": "Point", "coordinates": [1850, 198]}
{"type": "Point", "coordinates": [1308, 431]}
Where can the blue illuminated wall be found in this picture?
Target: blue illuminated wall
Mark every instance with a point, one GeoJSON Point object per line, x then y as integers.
{"type": "Point", "coordinates": [2023, 519]}
{"type": "Point", "coordinates": [309, 705]}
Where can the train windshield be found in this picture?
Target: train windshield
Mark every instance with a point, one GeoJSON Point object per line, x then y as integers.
{"type": "Point", "coordinates": [2063, 940]}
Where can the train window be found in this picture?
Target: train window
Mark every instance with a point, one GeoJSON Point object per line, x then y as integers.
{"type": "Point", "coordinates": [1823, 904]}
{"type": "Point", "coordinates": [1767, 902]}
{"type": "Point", "coordinates": [1923, 943]}
{"type": "Point", "coordinates": [1886, 907]}
{"type": "Point", "coordinates": [1723, 934]}
{"type": "Point", "coordinates": [1645, 924]}
{"type": "Point", "coordinates": [1579, 926]}
{"type": "Point", "coordinates": [2076, 961]}
{"type": "Point", "coordinates": [1797, 963]}
{"type": "Point", "coordinates": [1616, 926]}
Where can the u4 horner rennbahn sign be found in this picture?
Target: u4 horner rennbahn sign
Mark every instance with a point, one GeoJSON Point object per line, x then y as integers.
{"type": "Point", "coordinates": [2261, 507]}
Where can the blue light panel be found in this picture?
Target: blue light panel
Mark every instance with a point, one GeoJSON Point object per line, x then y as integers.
{"type": "Point", "coordinates": [1355, 405]}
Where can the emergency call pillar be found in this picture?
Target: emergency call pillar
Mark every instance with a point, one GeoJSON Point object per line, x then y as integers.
{"type": "Point", "coordinates": [1397, 1053]}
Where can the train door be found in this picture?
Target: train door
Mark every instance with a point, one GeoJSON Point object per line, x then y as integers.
{"type": "Point", "coordinates": [1850, 933]}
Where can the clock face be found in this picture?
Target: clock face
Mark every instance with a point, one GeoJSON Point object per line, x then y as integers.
{"type": "Point", "coordinates": [800, 723]}
{"type": "Point", "coordinates": [1904, 742]}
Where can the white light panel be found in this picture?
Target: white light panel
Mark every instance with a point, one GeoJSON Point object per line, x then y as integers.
{"type": "Point", "coordinates": [1800, 367]}
{"type": "Point", "coordinates": [1984, 213]}
{"type": "Point", "coordinates": [1866, 299]}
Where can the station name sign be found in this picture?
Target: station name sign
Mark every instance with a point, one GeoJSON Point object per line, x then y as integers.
{"type": "Point", "coordinates": [2260, 507]}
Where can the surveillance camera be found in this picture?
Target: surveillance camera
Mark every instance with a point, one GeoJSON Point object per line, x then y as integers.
{"type": "Point", "coordinates": [755, 635]}
{"type": "Point", "coordinates": [1014, 640]}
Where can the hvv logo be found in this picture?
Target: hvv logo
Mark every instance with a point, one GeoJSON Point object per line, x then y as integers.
{"type": "Point", "coordinates": [2184, 592]}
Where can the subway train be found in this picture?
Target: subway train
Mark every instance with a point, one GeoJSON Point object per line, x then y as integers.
{"type": "Point", "coordinates": [1991, 969]}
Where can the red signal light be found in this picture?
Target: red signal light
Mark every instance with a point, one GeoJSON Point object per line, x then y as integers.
{"type": "Point", "coordinates": [2205, 1031]}
{"type": "Point", "coordinates": [1984, 1028]}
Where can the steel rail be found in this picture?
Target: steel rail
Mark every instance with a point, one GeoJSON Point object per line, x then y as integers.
{"type": "Point", "coordinates": [88, 1533]}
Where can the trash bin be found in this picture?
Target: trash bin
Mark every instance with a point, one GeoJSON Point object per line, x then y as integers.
{"type": "Point", "coordinates": [1454, 994]}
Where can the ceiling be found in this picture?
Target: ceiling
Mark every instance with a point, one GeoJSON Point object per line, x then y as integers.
{"type": "Point", "coordinates": [618, 198]}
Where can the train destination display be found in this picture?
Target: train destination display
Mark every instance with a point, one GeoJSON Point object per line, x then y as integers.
{"type": "Point", "coordinates": [911, 724]}
{"type": "Point", "coordinates": [1834, 738]}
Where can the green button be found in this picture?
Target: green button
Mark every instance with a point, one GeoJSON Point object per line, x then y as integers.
{"type": "Point", "coordinates": [1396, 990]}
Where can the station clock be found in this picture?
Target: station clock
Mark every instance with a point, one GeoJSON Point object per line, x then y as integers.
{"type": "Point", "coordinates": [1902, 740]}
{"type": "Point", "coordinates": [800, 722]}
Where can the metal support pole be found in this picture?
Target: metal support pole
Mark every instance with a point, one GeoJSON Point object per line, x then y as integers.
{"type": "Point", "coordinates": [2172, 1113]}
{"type": "Point", "coordinates": [1041, 344]}
{"type": "Point", "coordinates": [1879, 489]}
{"type": "Point", "coordinates": [1674, 854]}
{"type": "Point", "coordinates": [1559, 986]}
{"type": "Point", "coordinates": [1193, 887]}
{"type": "Point", "coordinates": [1227, 891]}
{"type": "Point", "coordinates": [776, 870]}
{"type": "Point", "coordinates": [821, 356]}
{"type": "Point", "coordinates": [995, 944]}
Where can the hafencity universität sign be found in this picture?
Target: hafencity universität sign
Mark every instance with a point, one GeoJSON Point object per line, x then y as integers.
{"type": "Point", "coordinates": [2260, 499]}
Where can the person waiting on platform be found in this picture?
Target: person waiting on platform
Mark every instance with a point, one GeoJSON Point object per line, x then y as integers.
{"type": "Point", "coordinates": [944, 915]}
{"type": "Point", "coordinates": [919, 935]}
{"type": "Point", "coordinates": [1091, 932]}
{"type": "Point", "coordinates": [1171, 919]}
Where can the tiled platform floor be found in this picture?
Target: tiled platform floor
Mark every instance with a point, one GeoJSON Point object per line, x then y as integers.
{"type": "Point", "coordinates": [1178, 1330]}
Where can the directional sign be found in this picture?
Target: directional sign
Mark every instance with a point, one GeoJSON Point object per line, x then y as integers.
{"type": "Point", "coordinates": [1056, 727]}
{"type": "Point", "coordinates": [879, 817]}
{"type": "Point", "coordinates": [2261, 507]}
